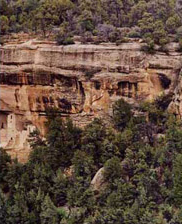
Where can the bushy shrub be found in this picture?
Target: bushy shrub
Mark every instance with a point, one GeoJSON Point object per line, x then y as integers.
{"type": "Point", "coordinates": [134, 34]}
{"type": "Point", "coordinates": [149, 47]}
{"type": "Point", "coordinates": [64, 37]}
{"type": "Point", "coordinates": [4, 21]}
{"type": "Point", "coordinates": [86, 37]}
{"type": "Point", "coordinates": [179, 33]}
{"type": "Point", "coordinates": [64, 40]}
{"type": "Point", "coordinates": [104, 30]}
{"type": "Point", "coordinates": [112, 169]}
{"type": "Point", "coordinates": [172, 23]}
{"type": "Point", "coordinates": [114, 36]}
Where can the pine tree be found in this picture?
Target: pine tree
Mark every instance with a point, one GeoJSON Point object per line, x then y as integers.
{"type": "Point", "coordinates": [3, 208]}
{"type": "Point", "coordinates": [121, 114]}
{"type": "Point", "coordinates": [49, 213]}
{"type": "Point", "coordinates": [5, 160]}
{"type": "Point", "coordinates": [177, 172]}
{"type": "Point", "coordinates": [59, 189]}
{"type": "Point", "coordinates": [92, 140]}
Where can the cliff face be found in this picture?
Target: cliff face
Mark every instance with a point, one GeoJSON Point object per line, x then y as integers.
{"type": "Point", "coordinates": [81, 80]}
{"type": "Point", "coordinates": [175, 106]}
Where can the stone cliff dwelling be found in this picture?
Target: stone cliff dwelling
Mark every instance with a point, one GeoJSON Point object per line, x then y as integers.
{"type": "Point", "coordinates": [81, 81]}
{"type": "Point", "coordinates": [14, 130]}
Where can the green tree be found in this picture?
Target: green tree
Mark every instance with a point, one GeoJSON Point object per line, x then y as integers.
{"type": "Point", "coordinates": [112, 169]}
{"type": "Point", "coordinates": [83, 164]}
{"type": "Point", "coordinates": [19, 212]}
{"type": "Point", "coordinates": [4, 24]}
{"type": "Point", "coordinates": [177, 172]}
{"type": "Point", "coordinates": [63, 139]}
{"type": "Point", "coordinates": [80, 194]}
{"type": "Point", "coordinates": [5, 161]}
{"type": "Point", "coordinates": [52, 13]}
{"type": "Point", "coordinates": [121, 114]}
{"type": "Point", "coordinates": [3, 208]}
{"type": "Point", "coordinates": [59, 189]}
{"type": "Point", "coordinates": [137, 12]}
{"type": "Point", "coordinates": [92, 140]}
{"type": "Point", "coordinates": [90, 13]}
{"type": "Point", "coordinates": [49, 213]}
{"type": "Point", "coordinates": [179, 8]}
{"type": "Point", "coordinates": [159, 34]}
{"type": "Point", "coordinates": [114, 12]}
{"type": "Point", "coordinates": [172, 24]}
{"type": "Point", "coordinates": [64, 36]}
{"type": "Point", "coordinates": [146, 24]}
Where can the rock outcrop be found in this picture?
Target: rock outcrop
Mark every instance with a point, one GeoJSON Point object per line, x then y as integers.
{"type": "Point", "coordinates": [98, 180]}
{"type": "Point", "coordinates": [81, 80]}
{"type": "Point", "coordinates": [175, 106]}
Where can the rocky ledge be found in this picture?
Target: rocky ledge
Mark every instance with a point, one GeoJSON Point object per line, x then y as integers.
{"type": "Point", "coordinates": [82, 81]}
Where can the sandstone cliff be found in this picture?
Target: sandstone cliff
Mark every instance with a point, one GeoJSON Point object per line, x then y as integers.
{"type": "Point", "coordinates": [81, 80]}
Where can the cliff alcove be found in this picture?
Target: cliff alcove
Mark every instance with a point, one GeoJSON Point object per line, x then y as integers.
{"type": "Point", "coordinates": [82, 81]}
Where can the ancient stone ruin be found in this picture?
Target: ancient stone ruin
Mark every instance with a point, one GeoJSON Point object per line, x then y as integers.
{"type": "Point", "coordinates": [82, 81]}
{"type": "Point", "coordinates": [14, 130]}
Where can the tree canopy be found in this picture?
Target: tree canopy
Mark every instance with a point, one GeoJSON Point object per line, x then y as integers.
{"type": "Point", "coordinates": [141, 161]}
{"type": "Point", "coordinates": [154, 19]}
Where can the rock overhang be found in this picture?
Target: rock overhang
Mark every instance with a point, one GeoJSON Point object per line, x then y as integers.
{"type": "Point", "coordinates": [82, 81]}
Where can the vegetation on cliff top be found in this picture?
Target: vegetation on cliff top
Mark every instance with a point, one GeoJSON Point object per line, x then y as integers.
{"type": "Point", "coordinates": [154, 20]}
{"type": "Point", "coordinates": [142, 160]}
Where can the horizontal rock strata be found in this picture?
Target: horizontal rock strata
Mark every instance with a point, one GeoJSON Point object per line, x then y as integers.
{"type": "Point", "coordinates": [82, 81]}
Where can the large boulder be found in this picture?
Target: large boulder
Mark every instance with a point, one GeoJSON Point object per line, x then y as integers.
{"type": "Point", "coordinates": [98, 180]}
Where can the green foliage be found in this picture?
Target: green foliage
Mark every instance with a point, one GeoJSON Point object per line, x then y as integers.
{"type": "Point", "coordinates": [60, 185]}
{"type": "Point", "coordinates": [121, 114]}
{"type": "Point", "coordinates": [153, 31]}
{"type": "Point", "coordinates": [4, 21]}
{"type": "Point", "coordinates": [64, 36]}
{"type": "Point", "coordinates": [150, 45]}
{"type": "Point", "coordinates": [3, 211]}
{"type": "Point", "coordinates": [155, 112]}
{"type": "Point", "coordinates": [141, 180]}
{"type": "Point", "coordinates": [83, 164]}
{"type": "Point", "coordinates": [179, 33]}
{"type": "Point", "coordinates": [35, 139]}
{"type": "Point", "coordinates": [93, 137]}
{"type": "Point", "coordinates": [61, 40]}
{"type": "Point", "coordinates": [159, 33]}
{"type": "Point", "coordinates": [172, 24]}
{"type": "Point", "coordinates": [112, 169]}
{"type": "Point", "coordinates": [5, 160]}
{"type": "Point", "coordinates": [63, 140]}
{"type": "Point", "coordinates": [134, 34]}
{"type": "Point", "coordinates": [178, 179]}
{"type": "Point", "coordinates": [86, 18]}
{"type": "Point", "coordinates": [147, 23]}
{"type": "Point", "coordinates": [49, 213]}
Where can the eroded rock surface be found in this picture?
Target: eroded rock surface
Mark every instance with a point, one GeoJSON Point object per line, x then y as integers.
{"type": "Point", "coordinates": [98, 180]}
{"type": "Point", "coordinates": [81, 80]}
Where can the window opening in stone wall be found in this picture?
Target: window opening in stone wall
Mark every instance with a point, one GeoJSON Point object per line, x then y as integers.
{"type": "Point", "coordinates": [2, 125]}
{"type": "Point", "coordinates": [130, 86]}
{"type": "Point", "coordinates": [136, 87]}
{"type": "Point", "coordinates": [97, 85]}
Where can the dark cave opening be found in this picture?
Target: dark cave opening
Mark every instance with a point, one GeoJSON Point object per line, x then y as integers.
{"type": "Point", "coordinates": [165, 81]}
{"type": "Point", "coordinates": [97, 85]}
